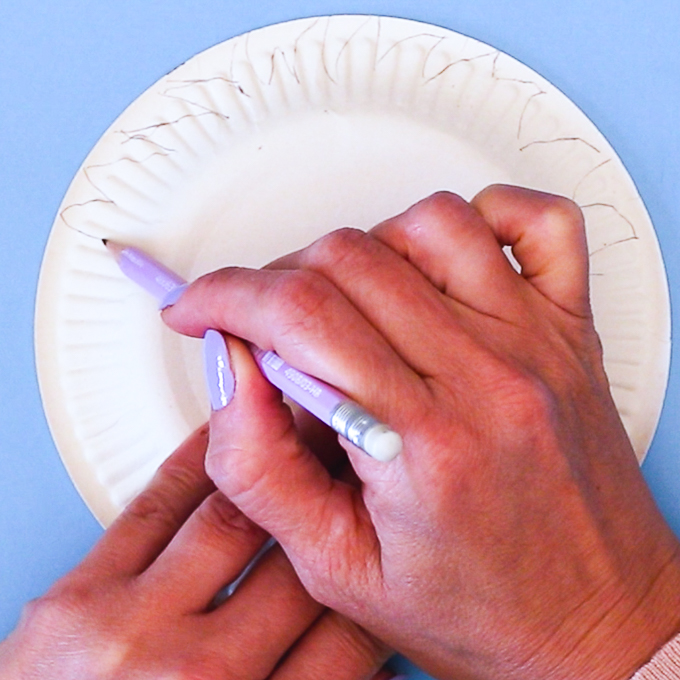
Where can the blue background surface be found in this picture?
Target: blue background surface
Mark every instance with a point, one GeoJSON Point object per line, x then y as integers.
{"type": "Point", "coordinates": [68, 69]}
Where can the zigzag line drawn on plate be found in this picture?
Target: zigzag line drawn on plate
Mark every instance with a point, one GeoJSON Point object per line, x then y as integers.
{"type": "Point", "coordinates": [348, 42]}
{"type": "Point", "coordinates": [279, 51]}
{"type": "Point", "coordinates": [586, 176]}
{"type": "Point", "coordinates": [539, 93]}
{"type": "Point", "coordinates": [539, 90]}
{"type": "Point", "coordinates": [138, 134]}
{"type": "Point", "coordinates": [627, 239]}
{"type": "Point", "coordinates": [105, 199]}
{"type": "Point", "coordinates": [291, 69]}
{"type": "Point", "coordinates": [205, 81]}
{"type": "Point", "coordinates": [378, 36]}
{"type": "Point", "coordinates": [462, 60]}
{"type": "Point", "coordinates": [324, 45]}
{"type": "Point", "coordinates": [296, 48]}
{"type": "Point", "coordinates": [206, 109]}
{"type": "Point", "coordinates": [399, 43]}
{"type": "Point", "coordinates": [560, 139]}
{"type": "Point", "coordinates": [618, 242]}
{"type": "Point", "coordinates": [62, 214]}
{"type": "Point", "coordinates": [137, 137]}
{"type": "Point", "coordinates": [93, 185]}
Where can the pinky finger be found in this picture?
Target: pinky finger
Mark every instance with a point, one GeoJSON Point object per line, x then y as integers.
{"type": "Point", "coordinates": [338, 649]}
{"type": "Point", "coordinates": [548, 239]}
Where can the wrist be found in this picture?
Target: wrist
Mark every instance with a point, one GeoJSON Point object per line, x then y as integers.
{"type": "Point", "coordinates": [626, 625]}
{"type": "Point", "coordinates": [665, 664]}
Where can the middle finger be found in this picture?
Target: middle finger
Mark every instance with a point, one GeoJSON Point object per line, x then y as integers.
{"type": "Point", "coordinates": [390, 292]}
{"type": "Point", "coordinates": [265, 616]}
{"type": "Point", "coordinates": [451, 243]}
{"type": "Point", "coordinates": [210, 551]}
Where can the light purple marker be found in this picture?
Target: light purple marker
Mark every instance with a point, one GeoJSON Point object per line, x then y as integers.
{"type": "Point", "coordinates": [329, 405]}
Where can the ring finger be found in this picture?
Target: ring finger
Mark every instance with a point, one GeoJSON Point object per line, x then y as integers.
{"type": "Point", "coordinates": [447, 240]}
{"type": "Point", "coordinates": [334, 647]}
{"type": "Point", "coordinates": [269, 611]}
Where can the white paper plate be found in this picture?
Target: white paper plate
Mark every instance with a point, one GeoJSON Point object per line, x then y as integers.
{"type": "Point", "coordinates": [267, 141]}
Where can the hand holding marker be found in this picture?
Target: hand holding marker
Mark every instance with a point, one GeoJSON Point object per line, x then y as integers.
{"type": "Point", "coordinates": [329, 405]}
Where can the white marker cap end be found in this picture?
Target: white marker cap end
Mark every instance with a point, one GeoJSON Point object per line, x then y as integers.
{"type": "Point", "coordinates": [382, 443]}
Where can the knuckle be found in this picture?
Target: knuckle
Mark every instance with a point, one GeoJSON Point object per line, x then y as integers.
{"type": "Point", "coordinates": [298, 297]}
{"type": "Point", "coordinates": [218, 465]}
{"type": "Point", "coordinates": [215, 280]}
{"type": "Point", "coordinates": [154, 506]}
{"type": "Point", "coordinates": [526, 401]}
{"type": "Point", "coordinates": [224, 520]}
{"type": "Point", "coordinates": [177, 476]}
{"type": "Point", "coordinates": [562, 212]}
{"type": "Point", "coordinates": [41, 613]}
{"type": "Point", "coordinates": [354, 642]}
{"type": "Point", "coordinates": [440, 205]}
{"type": "Point", "coordinates": [539, 206]}
{"type": "Point", "coordinates": [243, 476]}
{"type": "Point", "coordinates": [213, 284]}
{"type": "Point", "coordinates": [337, 570]}
{"type": "Point", "coordinates": [54, 611]}
{"type": "Point", "coordinates": [336, 247]}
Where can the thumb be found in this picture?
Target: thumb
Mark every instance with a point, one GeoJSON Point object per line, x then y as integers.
{"type": "Point", "coordinates": [258, 460]}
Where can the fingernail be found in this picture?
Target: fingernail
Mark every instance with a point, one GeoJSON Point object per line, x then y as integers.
{"type": "Point", "coordinates": [172, 296]}
{"type": "Point", "coordinates": [218, 375]}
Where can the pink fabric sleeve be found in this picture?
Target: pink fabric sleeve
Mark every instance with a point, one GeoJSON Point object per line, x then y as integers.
{"type": "Point", "coordinates": [664, 665]}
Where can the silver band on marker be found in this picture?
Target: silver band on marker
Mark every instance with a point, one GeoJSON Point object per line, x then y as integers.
{"type": "Point", "coordinates": [352, 422]}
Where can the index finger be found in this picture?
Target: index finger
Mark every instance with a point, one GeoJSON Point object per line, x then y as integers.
{"type": "Point", "coordinates": [309, 322]}
{"type": "Point", "coordinates": [150, 521]}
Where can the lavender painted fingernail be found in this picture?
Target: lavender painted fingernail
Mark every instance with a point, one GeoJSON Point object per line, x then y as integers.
{"type": "Point", "coordinates": [173, 296]}
{"type": "Point", "coordinates": [218, 375]}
